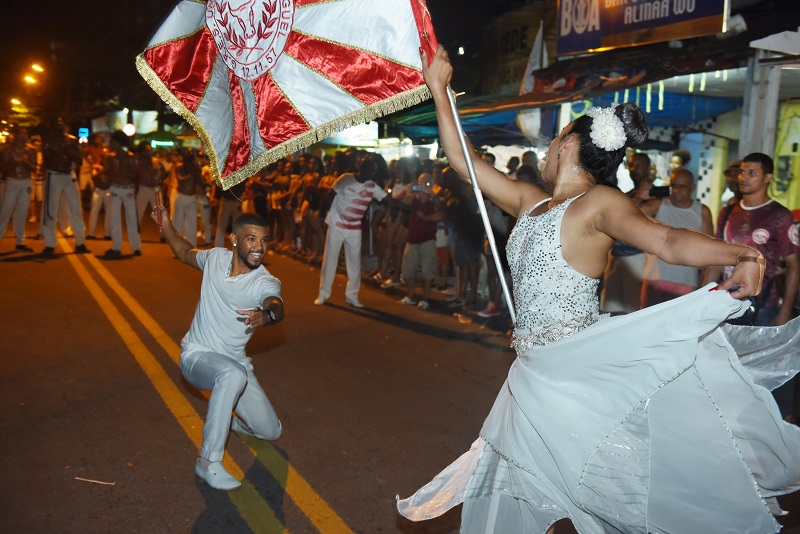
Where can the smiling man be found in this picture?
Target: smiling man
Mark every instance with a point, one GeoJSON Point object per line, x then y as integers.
{"type": "Point", "coordinates": [237, 295]}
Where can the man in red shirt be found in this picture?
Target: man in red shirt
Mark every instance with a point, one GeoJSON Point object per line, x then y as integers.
{"type": "Point", "coordinates": [760, 222]}
{"type": "Point", "coordinates": [420, 250]}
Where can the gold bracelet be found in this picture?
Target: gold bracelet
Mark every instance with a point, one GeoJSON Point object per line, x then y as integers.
{"type": "Point", "coordinates": [754, 259]}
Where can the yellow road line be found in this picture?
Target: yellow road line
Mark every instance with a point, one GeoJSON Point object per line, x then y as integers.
{"type": "Point", "coordinates": [299, 490]}
{"type": "Point", "coordinates": [321, 515]}
{"type": "Point", "coordinates": [258, 514]}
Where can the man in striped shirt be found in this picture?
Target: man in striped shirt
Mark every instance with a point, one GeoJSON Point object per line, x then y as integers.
{"type": "Point", "coordinates": [352, 195]}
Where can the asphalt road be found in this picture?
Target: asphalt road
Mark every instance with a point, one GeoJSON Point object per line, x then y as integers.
{"type": "Point", "coordinates": [99, 429]}
{"type": "Point", "coordinates": [99, 432]}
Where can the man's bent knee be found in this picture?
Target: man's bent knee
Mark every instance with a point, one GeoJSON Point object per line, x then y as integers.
{"type": "Point", "coordinates": [234, 376]}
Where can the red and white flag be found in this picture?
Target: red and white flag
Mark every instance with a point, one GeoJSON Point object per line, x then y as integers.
{"type": "Point", "coordinates": [261, 79]}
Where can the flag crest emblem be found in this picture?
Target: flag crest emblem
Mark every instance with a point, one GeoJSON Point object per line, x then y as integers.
{"type": "Point", "coordinates": [250, 34]}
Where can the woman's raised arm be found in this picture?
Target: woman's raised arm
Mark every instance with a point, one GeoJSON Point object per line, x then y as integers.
{"type": "Point", "coordinates": [509, 195]}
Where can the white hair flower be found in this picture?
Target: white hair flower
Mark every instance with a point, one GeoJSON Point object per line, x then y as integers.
{"type": "Point", "coordinates": [607, 131]}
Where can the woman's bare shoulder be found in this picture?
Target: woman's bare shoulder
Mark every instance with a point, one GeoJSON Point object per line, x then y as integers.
{"type": "Point", "coordinates": [529, 196]}
{"type": "Point", "coordinates": [604, 197]}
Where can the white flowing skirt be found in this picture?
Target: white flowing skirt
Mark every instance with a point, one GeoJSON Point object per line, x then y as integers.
{"type": "Point", "coordinates": [657, 421]}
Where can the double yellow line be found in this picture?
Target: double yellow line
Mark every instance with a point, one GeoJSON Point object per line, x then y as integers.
{"type": "Point", "coordinates": [258, 514]}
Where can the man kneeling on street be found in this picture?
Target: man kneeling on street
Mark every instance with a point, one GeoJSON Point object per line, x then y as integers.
{"type": "Point", "coordinates": [237, 295]}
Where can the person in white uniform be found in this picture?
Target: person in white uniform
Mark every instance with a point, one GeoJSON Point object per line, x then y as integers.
{"type": "Point", "coordinates": [237, 295]}
{"type": "Point", "coordinates": [61, 157]}
{"type": "Point", "coordinates": [654, 421]}
{"type": "Point", "coordinates": [120, 167]}
{"type": "Point", "coordinates": [18, 164]}
{"type": "Point", "coordinates": [352, 195]}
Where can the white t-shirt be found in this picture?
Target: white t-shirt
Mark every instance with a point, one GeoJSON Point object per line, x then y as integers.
{"type": "Point", "coordinates": [351, 202]}
{"type": "Point", "coordinates": [216, 326]}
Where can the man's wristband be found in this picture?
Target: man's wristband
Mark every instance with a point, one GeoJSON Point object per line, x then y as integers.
{"type": "Point", "coordinates": [754, 259]}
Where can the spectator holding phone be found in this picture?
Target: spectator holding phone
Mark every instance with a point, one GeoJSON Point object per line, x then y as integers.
{"type": "Point", "coordinates": [420, 250]}
{"type": "Point", "coordinates": [663, 281]}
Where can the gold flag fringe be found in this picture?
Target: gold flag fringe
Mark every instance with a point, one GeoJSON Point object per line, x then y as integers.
{"type": "Point", "coordinates": [395, 103]}
{"type": "Point", "coordinates": [178, 107]}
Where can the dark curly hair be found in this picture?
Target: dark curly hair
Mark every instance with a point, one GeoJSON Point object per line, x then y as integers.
{"type": "Point", "coordinates": [601, 163]}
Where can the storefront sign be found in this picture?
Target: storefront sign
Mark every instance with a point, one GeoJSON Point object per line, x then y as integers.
{"type": "Point", "coordinates": [596, 25]}
{"type": "Point", "coordinates": [509, 40]}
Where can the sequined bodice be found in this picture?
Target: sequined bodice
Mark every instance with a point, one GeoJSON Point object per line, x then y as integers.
{"type": "Point", "coordinates": [552, 299]}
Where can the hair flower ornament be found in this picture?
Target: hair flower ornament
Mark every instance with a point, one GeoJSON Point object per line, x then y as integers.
{"type": "Point", "coordinates": [607, 130]}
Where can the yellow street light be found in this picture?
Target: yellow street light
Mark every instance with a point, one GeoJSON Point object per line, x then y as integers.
{"type": "Point", "coordinates": [16, 101]}
{"type": "Point", "coordinates": [30, 79]}
{"type": "Point", "coordinates": [37, 68]}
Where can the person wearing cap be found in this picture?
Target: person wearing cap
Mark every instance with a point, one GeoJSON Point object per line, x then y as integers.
{"type": "Point", "coordinates": [732, 184]}
{"type": "Point", "coordinates": [732, 196]}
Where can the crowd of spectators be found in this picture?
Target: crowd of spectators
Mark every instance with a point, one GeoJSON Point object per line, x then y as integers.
{"type": "Point", "coordinates": [428, 231]}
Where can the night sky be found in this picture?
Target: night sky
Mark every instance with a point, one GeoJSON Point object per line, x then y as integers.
{"type": "Point", "coordinates": [88, 46]}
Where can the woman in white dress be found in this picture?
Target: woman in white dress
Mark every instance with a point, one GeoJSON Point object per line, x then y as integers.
{"type": "Point", "coordinates": [658, 421]}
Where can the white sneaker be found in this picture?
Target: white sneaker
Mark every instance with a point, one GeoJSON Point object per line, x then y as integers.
{"type": "Point", "coordinates": [423, 305]}
{"type": "Point", "coordinates": [216, 476]}
{"type": "Point", "coordinates": [405, 301]}
{"type": "Point", "coordinates": [355, 303]}
{"type": "Point", "coordinates": [319, 301]}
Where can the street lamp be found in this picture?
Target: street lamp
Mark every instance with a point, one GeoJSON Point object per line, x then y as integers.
{"type": "Point", "coordinates": [37, 68]}
{"type": "Point", "coordinates": [29, 79]}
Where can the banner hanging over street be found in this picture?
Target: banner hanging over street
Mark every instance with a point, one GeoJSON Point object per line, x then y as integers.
{"type": "Point", "coordinates": [597, 25]}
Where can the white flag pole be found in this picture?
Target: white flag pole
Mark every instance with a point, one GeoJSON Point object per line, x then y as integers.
{"type": "Point", "coordinates": [481, 205]}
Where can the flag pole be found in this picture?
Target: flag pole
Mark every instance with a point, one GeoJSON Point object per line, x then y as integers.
{"type": "Point", "coordinates": [462, 138]}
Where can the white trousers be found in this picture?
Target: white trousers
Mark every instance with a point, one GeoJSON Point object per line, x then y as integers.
{"type": "Point", "coordinates": [101, 198]}
{"type": "Point", "coordinates": [204, 210]}
{"type": "Point", "coordinates": [145, 196]}
{"type": "Point", "coordinates": [335, 238]}
{"type": "Point", "coordinates": [55, 184]}
{"type": "Point", "coordinates": [229, 209]}
{"type": "Point", "coordinates": [234, 388]}
{"type": "Point", "coordinates": [184, 217]}
{"type": "Point", "coordinates": [124, 196]}
{"type": "Point", "coordinates": [16, 197]}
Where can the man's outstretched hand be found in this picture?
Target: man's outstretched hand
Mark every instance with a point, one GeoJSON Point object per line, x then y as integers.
{"type": "Point", "coordinates": [159, 213]}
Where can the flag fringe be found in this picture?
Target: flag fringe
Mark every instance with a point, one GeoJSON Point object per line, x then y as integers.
{"type": "Point", "coordinates": [395, 103]}
{"type": "Point", "coordinates": [392, 104]}
{"type": "Point", "coordinates": [158, 86]}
